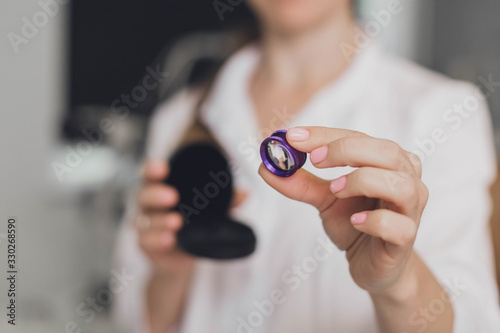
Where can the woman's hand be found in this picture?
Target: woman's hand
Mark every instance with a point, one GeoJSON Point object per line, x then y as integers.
{"type": "Point", "coordinates": [157, 226]}
{"type": "Point", "coordinates": [372, 213]}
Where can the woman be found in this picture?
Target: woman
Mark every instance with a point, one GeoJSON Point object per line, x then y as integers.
{"type": "Point", "coordinates": [398, 125]}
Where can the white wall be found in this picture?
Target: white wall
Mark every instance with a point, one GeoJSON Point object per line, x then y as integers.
{"type": "Point", "coordinates": [32, 93]}
{"type": "Point", "coordinates": [409, 32]}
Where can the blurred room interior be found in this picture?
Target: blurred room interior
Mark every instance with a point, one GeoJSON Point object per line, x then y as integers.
{"type": "Point", "coordinates": [63, 81]}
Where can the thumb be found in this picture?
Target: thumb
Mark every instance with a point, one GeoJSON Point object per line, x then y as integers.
{"type": "Point", "coordinates": [302, 186]}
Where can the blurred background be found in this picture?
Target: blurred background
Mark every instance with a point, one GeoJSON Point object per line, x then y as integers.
{"type": "Point", "coordinates": [71, 86]}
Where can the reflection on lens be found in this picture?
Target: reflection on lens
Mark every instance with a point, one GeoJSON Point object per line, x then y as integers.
{"type": "Point", "coordinates": [279, 156]}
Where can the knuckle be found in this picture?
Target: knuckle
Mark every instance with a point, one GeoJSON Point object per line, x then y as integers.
{"type": "Point", "coordinates": [344, 146]}
{"type": "Point", "coordinates": [157, 219]}
{"type": "Point", "coordinates": [148, 194]}
{"type": "Point", "coordinates": [321, 135]}
{"type": "Point", "coordinates": [407, 190]}
{"type": "Point", "coordinates": [415, 161]}
{"type": "Point", "coordinates": [395, 153]}
{"type": "Point", "coordinates": [408, 236]}
{"type": "Point", "coordinates": [363, 177]}
{"type": "Point", "coordinates": [357, 134]}
{"type": "Point", "coordinates": [356, 176]}
{"type": "Point", "coordinates": [381, 223]}
{"type": "Point", "coordinates": [325, 134]}
{"type": "Point", "coordinates": [393, 147]}
{"type": "Point", "coordinates": [355, 179]}
{"type": "Point", "coordinates": [380, 220]}
{"type": "Point", "coordinates": [424, 193]}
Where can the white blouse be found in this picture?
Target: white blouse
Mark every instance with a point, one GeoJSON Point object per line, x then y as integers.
{"type": "Point", "coordinates": [297, 281]}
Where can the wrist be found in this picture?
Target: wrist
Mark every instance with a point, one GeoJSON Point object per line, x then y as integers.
{"type": "Point", "coordinates": [404, 291]}
{"type": "Point", "coordinates": [178, 272]}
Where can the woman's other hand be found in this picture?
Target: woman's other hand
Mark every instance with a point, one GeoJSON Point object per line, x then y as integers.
{"type": "Point", "coordinates": [157, 224]}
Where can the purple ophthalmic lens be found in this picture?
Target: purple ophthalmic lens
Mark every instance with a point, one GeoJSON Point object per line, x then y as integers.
{"type": "Point", "coordinates": [279, 157]}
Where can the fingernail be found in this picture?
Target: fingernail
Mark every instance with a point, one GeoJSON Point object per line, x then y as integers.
{"type": "Point", "coordinates": [338, 184]}
{"type": "Point", "coordinates": [318, 155]}
{"type": "Point", "coordinates": [297, 134]}
{"type": "Point", "coordinates": [358, 218]}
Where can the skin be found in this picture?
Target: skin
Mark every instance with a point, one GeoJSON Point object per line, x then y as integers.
{"type": "Point", "coordinates": [300, 55]}
{"type": "Point", "coordinates": [373, 215]}
{"type": "Point", "coordinates": [172, 267]}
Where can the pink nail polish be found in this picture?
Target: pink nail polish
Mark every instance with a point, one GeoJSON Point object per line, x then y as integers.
{"type": "Point", "coordinates": [318, 155]}
{"type": "Point", "coordinates": [297, 134]}
{"type": "Point", "coordinates": [358, 218]}
{"type": "Point", "coordinates": [338, 184]}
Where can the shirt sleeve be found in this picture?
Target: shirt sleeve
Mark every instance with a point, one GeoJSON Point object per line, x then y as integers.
{"type": "Point", "coordinates": [458, 161]}
{"type": "Point", "coordinates": [129, 308]}
{"type": "Point", "coordinates": [166, 127]}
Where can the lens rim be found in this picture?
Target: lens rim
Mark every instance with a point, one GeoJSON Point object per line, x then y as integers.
{"type": "Point", "coordinates": [299, 158]}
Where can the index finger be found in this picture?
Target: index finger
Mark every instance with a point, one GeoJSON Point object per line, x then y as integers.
{"type": "Point", "coordinates": [154, 170]}
{"type": "Point", "coordinates": [157, 196]}
{"type": "Point", "coordinates": [306, 139]}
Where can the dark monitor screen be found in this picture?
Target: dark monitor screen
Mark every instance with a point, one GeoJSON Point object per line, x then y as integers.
{"type": "Point", "coordinates": [113, 41]}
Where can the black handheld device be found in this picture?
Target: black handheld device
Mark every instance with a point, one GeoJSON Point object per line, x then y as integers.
{"type": "Point", "coordinates": [201, 174]}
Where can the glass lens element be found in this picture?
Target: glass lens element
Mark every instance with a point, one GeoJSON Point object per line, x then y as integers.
{"type": "Point", "coordinates": [279, 156]}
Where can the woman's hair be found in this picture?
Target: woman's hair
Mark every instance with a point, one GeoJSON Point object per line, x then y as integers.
{"type": "Point", "coordinates": [198, 131]}
{"type": "Point", "coordinates": [239, 38]}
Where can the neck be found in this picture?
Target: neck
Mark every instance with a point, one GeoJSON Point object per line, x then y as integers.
{"type": "Point", "coordinates": [310, 58]}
